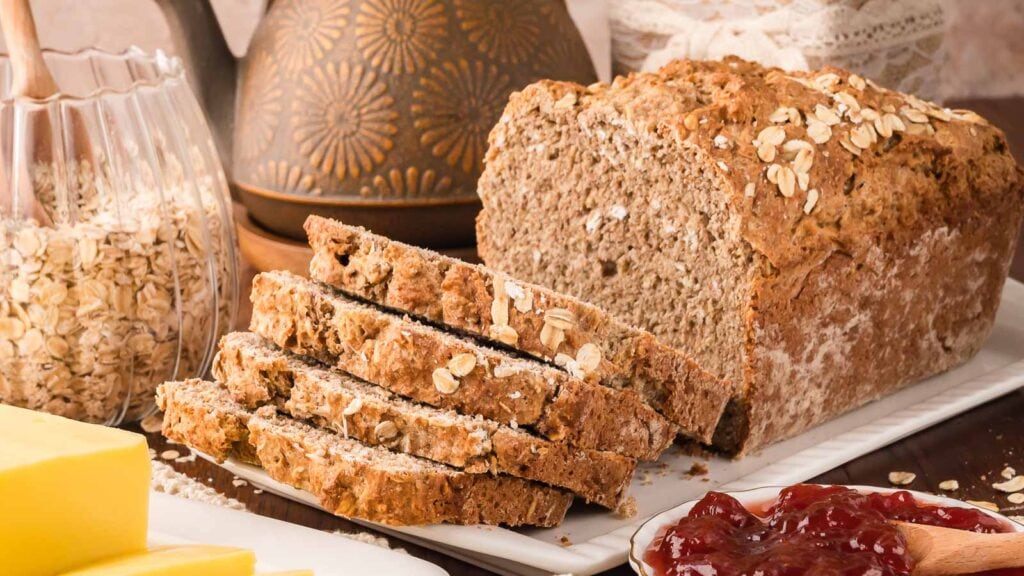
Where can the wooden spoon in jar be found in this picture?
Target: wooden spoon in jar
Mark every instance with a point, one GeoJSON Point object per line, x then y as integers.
{"type": "Point", "coordinates": [949, 552]}
{"type": "Point", "coordinates": [31, 78]}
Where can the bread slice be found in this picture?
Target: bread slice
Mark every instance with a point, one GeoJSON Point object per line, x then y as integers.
{"type": "Point", "coordinates": [258, 373]}
{"type": "Point", "coordinates": [440, 369]}
{"type": "Point", "coordinates": [545, 324]}
{"type": "Point", "coordinates": [348, 477]}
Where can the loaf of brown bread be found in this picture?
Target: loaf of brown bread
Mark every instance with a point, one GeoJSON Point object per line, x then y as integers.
{"type": "Point", "coordinates": [475, 300]}
{"type": "Point", "coordinates": [811, 237]}
{"type": "Point", "coordinates": [257, 373]}
{"type": "Point", "coordinates": [346, 476]}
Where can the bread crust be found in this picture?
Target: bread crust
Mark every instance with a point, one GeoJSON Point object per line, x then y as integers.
{"type": "Point", "coordinates": [404, 357]}
{"type": "Point", "coordinates": [257, 373]}
{"type": "Point", "coordinates": [348, 478]}
{"type": "Point", "coordinates": [883, 266]}
{"type": "Point", "coordinates": [461, 296]}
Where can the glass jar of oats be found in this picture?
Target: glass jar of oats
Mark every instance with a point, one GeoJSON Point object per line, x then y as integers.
{"type": "Point", "coordinates": [118, 265]}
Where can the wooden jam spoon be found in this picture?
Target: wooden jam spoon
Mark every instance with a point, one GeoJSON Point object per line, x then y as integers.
{"type": "Point", "coordinates": [948, 552]}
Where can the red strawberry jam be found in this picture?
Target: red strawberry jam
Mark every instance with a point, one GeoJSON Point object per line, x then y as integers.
{"type": "Point", "coordinates": [809, 530]}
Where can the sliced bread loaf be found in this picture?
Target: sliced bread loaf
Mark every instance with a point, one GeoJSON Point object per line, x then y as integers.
{"type": "Point", "coordinates": [258, 373]}
{"type": "Point", "coordinates": [545, 324]}
{"type": "Point", "coordinates": [347, 477]}
{"type": "Point", "coordinates": [813, 238]}
{"type": "Point", "coordinates": [440, 369]}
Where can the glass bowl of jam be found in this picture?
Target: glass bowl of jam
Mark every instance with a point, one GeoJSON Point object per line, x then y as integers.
{"type": "Point", "coordinates": [805, 529]}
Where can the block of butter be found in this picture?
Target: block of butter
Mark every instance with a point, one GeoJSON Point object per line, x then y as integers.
{"type": "Point", "coordinates": [177, 561]}
{"type": "Point", "coordinates": [70, 493]}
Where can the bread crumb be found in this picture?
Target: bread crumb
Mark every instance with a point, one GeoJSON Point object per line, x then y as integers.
{"type": "Point", "coordinates": [368, 538]}
{"type": "Point", "coordinates": [696, 469]}
{"type": "Point", "coordinates": [238, 483]}
{"type": "Point", "coordinates": [949, 485]}
{"type": "Point", "coordinates": [258, 491]}
{"type": "Point", "coordinates": [901, 478]}
{"type": "Point", "coordinates": [564, 541]}
{"type": "Point", "coordinates": [626, 508]}
{"type": "Point", "coordinates": [186, 459]}
{"type": "Point", "coordinates": [169, 481]}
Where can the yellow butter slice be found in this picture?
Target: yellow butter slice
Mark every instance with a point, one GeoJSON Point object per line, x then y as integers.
{"type": "Point", "coordinates": [70, 493]}
{"type": "Point", "coordinates": [177, 561]}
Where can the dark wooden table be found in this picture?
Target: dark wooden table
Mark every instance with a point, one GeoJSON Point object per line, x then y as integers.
{"type": "Point", "coordinates": [972, 448]}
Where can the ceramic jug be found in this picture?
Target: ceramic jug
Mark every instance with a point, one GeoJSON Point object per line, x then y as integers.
{"type": "Point", "coordinates": [372, 111]}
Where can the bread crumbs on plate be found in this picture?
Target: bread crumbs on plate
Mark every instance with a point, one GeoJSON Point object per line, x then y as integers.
{"type": "Point", "coordinates": [696, 469]}
{"type": "Point", "coordinates": [564, 541]}
{"type": "Point", "coordinates": [626, 508]}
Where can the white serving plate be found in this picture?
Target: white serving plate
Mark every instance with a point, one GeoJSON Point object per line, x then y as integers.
{"type": "Point", "coordinates": [278, 545]}
{"type": "Point", "coordinates": [643, 537]}
{"type": "Point", "coordinates": [600, 541]}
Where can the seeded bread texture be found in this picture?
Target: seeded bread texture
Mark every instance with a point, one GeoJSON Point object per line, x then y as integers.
{"type": "Point", "coordinates": [419, 362]}
{"type": "Point", "coordinates": [813, 238]}
{"type": "Point", "coordinates": [200, 414]}
{"type": "Point", "coordinates": [258, 373]}
{"type": "Point", "coordinates": [475, 300]}
{"type": "Point", "coordinates": [349, 478]}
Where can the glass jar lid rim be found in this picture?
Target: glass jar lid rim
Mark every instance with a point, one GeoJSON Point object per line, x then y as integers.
{"type": "Point", "coordinates": [166, 68]}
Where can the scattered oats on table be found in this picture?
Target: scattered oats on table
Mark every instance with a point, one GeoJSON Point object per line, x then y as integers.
{"type": "Point", "coordinates": [1016, 498]}
{"type": "Point", "coordinates": [1014, 484]}
{"type": "Point", "coordinates": [992, 506]}
{"type": "Point", "coordinates": [949, 485]}
{"type": "Point", "coordinates": [901, 478]}
{"type": "Point", "coordinates": [170, 454]}
{"type": "Point", "coordinates": [152, 423]}
{"type": "Point", "coordinates": [1008, 473]}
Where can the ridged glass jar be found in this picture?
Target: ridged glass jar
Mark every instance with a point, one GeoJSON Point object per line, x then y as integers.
{"type": "Point", "coordinates": [118, 258]}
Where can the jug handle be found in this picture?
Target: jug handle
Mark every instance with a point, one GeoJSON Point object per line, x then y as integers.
{"type": "Point", "coordinates": [200, 43]}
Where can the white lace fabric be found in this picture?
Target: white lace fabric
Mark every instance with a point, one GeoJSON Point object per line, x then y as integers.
{"type": "Point", "coordinates": [899, 44]}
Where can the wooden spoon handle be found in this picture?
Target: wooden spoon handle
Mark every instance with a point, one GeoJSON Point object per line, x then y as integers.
{"type": "Point", "coordinates": [948, 552]}
{"type": "Point", "coordinates": [31, 77]}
